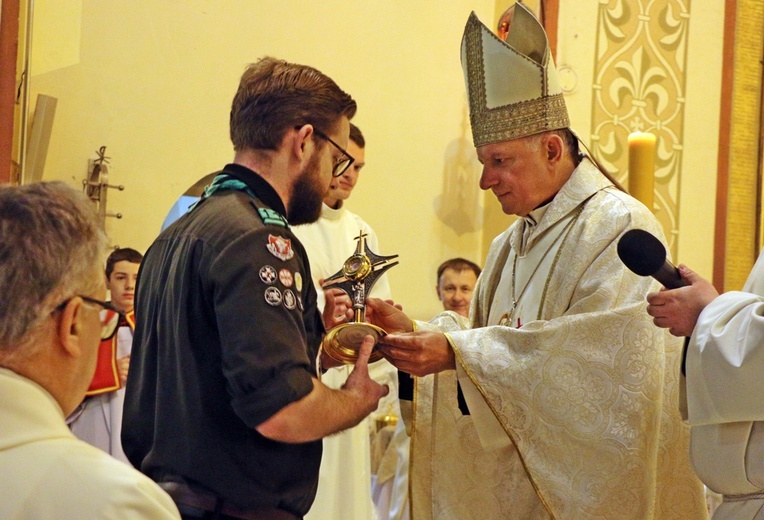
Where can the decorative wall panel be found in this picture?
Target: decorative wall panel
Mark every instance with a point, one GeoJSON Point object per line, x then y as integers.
{"type": "Point", "coordinates": [639, 85]}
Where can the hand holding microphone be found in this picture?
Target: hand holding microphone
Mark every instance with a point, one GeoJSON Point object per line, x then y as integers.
{"type": "Point", "coordinates": [678, 306]}
{"type": "Point", "coordinates": [644, 254]}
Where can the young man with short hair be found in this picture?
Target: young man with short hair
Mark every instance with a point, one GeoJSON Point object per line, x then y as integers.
{"type": "Point", "coordinates": [98, 420]}
{"type": "Point", "coordinates": [224, 406]}
{"type": "Point", "coordinates": [345, 468]}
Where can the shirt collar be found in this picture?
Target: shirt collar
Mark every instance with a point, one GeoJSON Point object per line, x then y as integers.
{"type": "Point", "coordinates": [535, 216]}
{"type": "Point", "coordinates": [261, 188]}
{"type": "Point", "coordinates": [332, 214]}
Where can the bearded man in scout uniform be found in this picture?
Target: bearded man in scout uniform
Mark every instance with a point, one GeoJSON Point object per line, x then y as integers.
{"type": "Point", "coordinates": [224, 407]}
{"type": "Point", "coordinates": [569, 405]}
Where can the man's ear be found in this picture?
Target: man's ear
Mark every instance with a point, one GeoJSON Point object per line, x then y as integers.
{"type": "Point", "coordinates": [301, 140]}
{"type": "Point", "coordinates": [554, 148]}
{"type": "Point", "coordinates": [70, 327]}
{"type": "Point", "coordinates": [437, 290]}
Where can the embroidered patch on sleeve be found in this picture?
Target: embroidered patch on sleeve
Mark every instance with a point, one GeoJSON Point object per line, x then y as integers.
{"type": "Point", "coordinates": [273, 296]}
{"type": "Point", "coordinates": [280, 247]}
{"type": "Point", "coordinates": [290, 301]}
{"type": "Point", "coordinates": [267, 274]}
{"type": "Point", "coordinates": [285, 277]}
{"type": "Point", "coordinates": [272, 217]}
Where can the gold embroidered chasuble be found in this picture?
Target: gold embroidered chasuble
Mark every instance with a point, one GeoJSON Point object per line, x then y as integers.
{"type": "Point", "coordinates": [573, 415]}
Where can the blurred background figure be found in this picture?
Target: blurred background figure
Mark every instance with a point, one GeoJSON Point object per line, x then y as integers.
{"type": "Point", "coordinates": [456, 281]}
{"type": "Point", "coordinates": [98, 420]}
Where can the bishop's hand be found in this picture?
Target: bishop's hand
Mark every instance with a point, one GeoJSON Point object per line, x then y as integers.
{"type": "Point", "coordinates": [388, 316]}
{"type": "Point", "coordinates": [418, 353]}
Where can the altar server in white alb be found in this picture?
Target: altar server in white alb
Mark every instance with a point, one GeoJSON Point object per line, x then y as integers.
{"type": "Point", "coordinates": [98, 419]}
{"type": "Point", "coordinates": [725, 382]}
{"type": "Point", "coordinates": [344, 482]}
{"type": "Point", "coordinates": [570, 394]}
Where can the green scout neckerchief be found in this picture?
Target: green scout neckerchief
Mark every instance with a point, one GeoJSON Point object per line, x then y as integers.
{"type": "Point", "coordinates": [223, 182]}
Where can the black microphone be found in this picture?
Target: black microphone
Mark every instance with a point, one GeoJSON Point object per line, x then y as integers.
{"type": "Point", "coordinates": [644, 254]}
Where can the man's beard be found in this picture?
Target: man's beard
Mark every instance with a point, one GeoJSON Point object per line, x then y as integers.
{"type": "Point", "coordinates": [307, 195]}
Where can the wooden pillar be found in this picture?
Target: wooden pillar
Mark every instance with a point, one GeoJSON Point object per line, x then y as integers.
{"type": "Point", "coordinates": [9, 45]}
{"type": "Point", "coordinates": [735, 241]}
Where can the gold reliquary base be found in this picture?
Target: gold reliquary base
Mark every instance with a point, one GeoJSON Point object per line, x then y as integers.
{"type": "Point", "coordinates": [343, 342]}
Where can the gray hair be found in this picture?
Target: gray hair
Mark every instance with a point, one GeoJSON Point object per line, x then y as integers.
{"type": "Point", "coordinates": [51, 248]}
{"type": "Point", "coordinates": [569, 139]}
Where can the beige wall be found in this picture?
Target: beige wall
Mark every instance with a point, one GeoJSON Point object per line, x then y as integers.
{"type": "Point", "coordinates": [697, 203]}
{"type": "Point", "coordinates": [153, 82]}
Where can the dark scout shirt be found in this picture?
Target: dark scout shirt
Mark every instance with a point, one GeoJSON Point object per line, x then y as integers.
{"type": "Point", "coordinates": [228, 336]}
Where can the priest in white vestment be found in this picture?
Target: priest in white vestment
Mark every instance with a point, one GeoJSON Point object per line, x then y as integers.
{"type": "Point", "coordinates": [561, 399]}
{"type": "Point", "coordinates": [724, 379]}
{"type": "Point", "coordinates": [345, 480]}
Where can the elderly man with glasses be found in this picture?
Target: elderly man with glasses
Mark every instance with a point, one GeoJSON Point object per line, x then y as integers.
{"type": "Point", "coordinates": [51, 285]}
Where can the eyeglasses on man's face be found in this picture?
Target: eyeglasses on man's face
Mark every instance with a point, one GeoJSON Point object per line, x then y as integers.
{"type": "Point", "coordinates": [345, 160]}
{"type": "Point", "coordinates": [106, 305]}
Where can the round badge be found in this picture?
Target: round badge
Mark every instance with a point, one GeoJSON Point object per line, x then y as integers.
{"type": "Point", "coordinates": [285, 277]}
{"type": "Point", "coordinates": [298, 281]}
{"type": "Point", "coordinates": [268, 274]}
{"type": "Point", "coordinates": [273, 296]}
{"type": "Point", "coordinates": [290, 301]}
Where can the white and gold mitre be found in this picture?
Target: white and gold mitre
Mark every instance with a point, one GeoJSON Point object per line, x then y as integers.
{"type": "Point", "coordinates": [512, 86]}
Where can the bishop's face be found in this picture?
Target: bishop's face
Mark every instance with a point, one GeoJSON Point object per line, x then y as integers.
{"type": "Point", "coordinates": [518, 173]}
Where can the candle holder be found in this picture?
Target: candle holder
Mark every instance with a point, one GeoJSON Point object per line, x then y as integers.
{"type": "Point", "coordinates": [357, 276]}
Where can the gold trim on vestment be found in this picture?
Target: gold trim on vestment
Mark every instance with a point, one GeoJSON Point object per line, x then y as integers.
{"type": "Point", "coordinates": [579, 210]}
{"type": "Point", "coordinates": [411, 442]}
{"type": "Point", "coordinates": [474, 380]}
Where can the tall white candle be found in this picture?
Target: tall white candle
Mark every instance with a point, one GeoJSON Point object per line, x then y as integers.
{"type": "Point", "coordinates": [642, 168]}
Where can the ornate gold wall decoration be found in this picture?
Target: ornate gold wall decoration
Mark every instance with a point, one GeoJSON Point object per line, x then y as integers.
{"type": "Point", "coordinates": [639, 85]}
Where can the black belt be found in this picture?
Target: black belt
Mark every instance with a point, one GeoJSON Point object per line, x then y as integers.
{"type": "Point", "coordinates": [184, 495]}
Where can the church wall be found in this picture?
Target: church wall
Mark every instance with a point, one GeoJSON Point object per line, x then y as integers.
{"type": "Point", "coordinates": [632, 65]}
{"type": "Point", "coordinates": [153, 82]}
